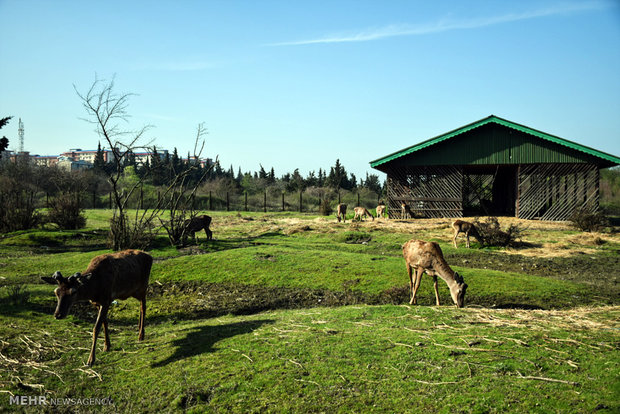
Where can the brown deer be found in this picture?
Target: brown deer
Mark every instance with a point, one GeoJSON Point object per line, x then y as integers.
{"type": "Point", "coordinates": [380, 210]}
{"type": "Point", "coordinates": [341, 211]}
{"type": "Point", "coordinates": [427, 257]}
{"type": "Point", "coordinates": [108, 277]}
{"type": "Point", "coordinates": [198, 223]}
{"type": "Point", "coordinates": [361, 212]}
{"type": "Point", "coordinates": [405, 211]}
{"type": "Point", "coordinates": [468, 228]}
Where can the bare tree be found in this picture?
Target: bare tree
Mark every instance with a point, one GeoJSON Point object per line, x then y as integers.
{"type": "Point", "coordinates": [107, 110]}
{"type": "Point", "coordinates": [179, 196]}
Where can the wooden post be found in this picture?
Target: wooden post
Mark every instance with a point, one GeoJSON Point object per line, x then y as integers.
{"type": "Point", "coordinates": [300, 202]}
{"type": "Point", "coordinates": [282, 201]}
{"type": "Point", "coordinates": [265, 201]}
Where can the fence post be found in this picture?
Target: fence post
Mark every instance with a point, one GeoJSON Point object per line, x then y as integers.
{"type": "Point", "coordinates": [227, 202]}
{"type": "Point", "coordinates": [246, 200]}
{"type": "Point", "coordinates": [358, 198]}
{"type": "Point", "coordinates": [265, 201]}
{"type": "Point", "coordinates": [210, 201]}
{"type": "Point", "coordinates": [300, 202]}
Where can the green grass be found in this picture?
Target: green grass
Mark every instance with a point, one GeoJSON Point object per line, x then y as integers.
{"type": "Point", "coordinates": [391, 357]}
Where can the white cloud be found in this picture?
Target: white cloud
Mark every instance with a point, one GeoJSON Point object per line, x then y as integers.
{"type": "Point", "coordinates": [445, 25]}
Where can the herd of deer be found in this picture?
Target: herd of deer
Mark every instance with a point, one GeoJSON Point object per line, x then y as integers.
{"type": "Point", "coordinates": [126, 274]}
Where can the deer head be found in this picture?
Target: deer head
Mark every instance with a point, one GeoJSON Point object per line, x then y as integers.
{"type": "Point", "coordinates": [458, 290]}
{"type": "Point", "coordinates": [67, 292]}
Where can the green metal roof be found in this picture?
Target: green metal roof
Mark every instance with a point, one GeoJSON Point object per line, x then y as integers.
{"type": "Point", "coordinates": [500, 121]}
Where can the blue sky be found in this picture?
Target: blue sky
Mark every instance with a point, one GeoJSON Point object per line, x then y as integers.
{"type": "Point", "coordinates": [298, 84]}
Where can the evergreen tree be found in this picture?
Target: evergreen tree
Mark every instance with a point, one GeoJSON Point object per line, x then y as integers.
{"type": "Point", "coordinates": [262, 173]}
{"type": "Point", "coordinates": [99, 163]}
{"type": "Point", "coordinates": [157, 168]}
{"type": "Point", "coordinates": [337, 177]}
{"type": "Point", "coordinates": [4, 141]}
{"type": "Point", "coordinates": [175, 162]}
{"type": "Point", "coordinates": [372, 183]}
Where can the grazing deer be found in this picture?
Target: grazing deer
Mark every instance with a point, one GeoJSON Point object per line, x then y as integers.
{"type": "Point", "coordinates": [108, 276]}
{"type": "Point", "coordinates": [198, 223]}
{"type": "Point", "coordinates": [361, 212]}
{"type": "Point", "coordinates": [341, 211]}
{"type": "Point", "coordinates": [405, 210]}
{"type": "Point", "coordinates": [380, 210]}
{"type": "Point", "coordinates": [468, 228]}
{"type": "Point", "coordinates": [427, 257]}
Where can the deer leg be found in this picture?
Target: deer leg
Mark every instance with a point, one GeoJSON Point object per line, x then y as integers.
{"type": "Point", "coordinates": [103, 314]}
{"type": "Point", "coordinates": [209, 233]}
{"type": "Point", "coordinates": [456, 233]}
{"type": "Point", "coordinates": [436, 291]}
{"type": "Point", "coordinates": [106, 345]}
{"type": "Point", "coordinates": [142, 318]}
{"type": "Point", "coordinates": [467, 237]}
{"type": "Point", "coordinates": [416, 286]}
{"type": "Point", "coordinates": [411, 284]}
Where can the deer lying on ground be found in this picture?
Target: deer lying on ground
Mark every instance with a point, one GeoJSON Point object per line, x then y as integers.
{"type": "Point", "coordinates": [468, 228]}
{"type": "Point", "coordinates": [380, 210]}
{"type": "Point", "coordinates": [361, 212]}
{"type": "Point", "coordinates": [427, 257]}
{"type": "Point", "coordinates": [198, 223]}
{"type": "Point", "coordinates": [108, 277]}
{"type": "Point", "coordinates": [341, 211]}
{"type": "Point", "coordinates": [405, 211]}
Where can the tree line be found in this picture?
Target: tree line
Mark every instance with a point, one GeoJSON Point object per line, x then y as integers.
{"type": "Point", "coordinates": [162, 168]}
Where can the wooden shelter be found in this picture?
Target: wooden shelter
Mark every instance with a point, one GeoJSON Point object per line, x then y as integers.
{"type": "Point", "coordinates": [494, 167]}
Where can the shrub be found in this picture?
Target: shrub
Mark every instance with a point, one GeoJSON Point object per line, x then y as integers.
{"type": "Point", "coordinates": [65, 211]}
{"type": "Point", "coordinates": [589, 221]}
{"type": "Point", "coordinates": [493, 235]}
{"type": "Point", "coordinates": [18, 211]}
{"type": "Point", "coordinates": [325, 208]}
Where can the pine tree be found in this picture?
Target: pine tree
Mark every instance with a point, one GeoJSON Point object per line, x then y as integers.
{"type": "Point", "coordinates": [99, 163]}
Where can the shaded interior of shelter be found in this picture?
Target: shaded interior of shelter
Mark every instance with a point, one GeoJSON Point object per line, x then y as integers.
{"type": "Point", "coordinates": [490, 190]}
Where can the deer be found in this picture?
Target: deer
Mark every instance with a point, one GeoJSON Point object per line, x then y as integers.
{"type": "Point", "coordinates": [380, 210]}
{"type": "Point", "coordinates": [361, 212]}
{"type": "Point", "coordinates": [194, 224]}
{"type": "Point", "coordinates": [468, 228]}
{"type": "Point", "coordinates": [108, 277]}
{"type": "Point", "coordinates": [405, 210]}
{"type": "Point", "coordinates": [341, 211]}
{"type": "Point", "coordinates": [427, 257]}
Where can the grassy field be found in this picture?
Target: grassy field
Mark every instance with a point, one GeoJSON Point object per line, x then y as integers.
{"type": "Point", "coordinates": [297, 313]}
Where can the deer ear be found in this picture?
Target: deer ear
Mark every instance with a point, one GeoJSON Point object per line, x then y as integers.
{"type": "Point", "coordinates": [74, 278]}
{"type": "Point", "coordinates": [49, 280]}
